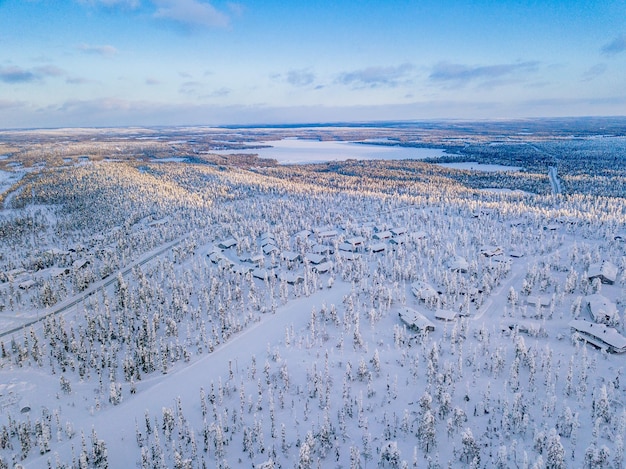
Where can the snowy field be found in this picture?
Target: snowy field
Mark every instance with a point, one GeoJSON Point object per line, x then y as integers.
{"type": "Point", "coordinates": [379, 314]}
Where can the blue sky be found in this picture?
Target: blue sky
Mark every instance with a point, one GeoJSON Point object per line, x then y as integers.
{"type": "Point", "coordinates": [180, 62]}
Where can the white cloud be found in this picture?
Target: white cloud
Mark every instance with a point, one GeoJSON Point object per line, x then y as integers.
{"type": "Point", "coordinates": [105, 50]}
{"type": "Point", "coordinates": [113, 3]}
{"type": "Point", "coordinates": [190, 13]}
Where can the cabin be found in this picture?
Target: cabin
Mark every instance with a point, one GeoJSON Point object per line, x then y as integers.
{"type": "Point", "coordinates": [606, 271]}
{"type": "Point", "coordinates": [269, 249]}
{"type": "Point", "coordinates": [415, 320]}
{"type": "Point", "coordinates": [242, 269]}
{"type": "Point", "coordinates": [253, 259]}
{"type": "Point", "coordinates": [314, 258]}
{"type": "Point", "coordinates": [323, 268]}
{"type": "Point", "coordinates": [378, 247]}
{"type": "Point", "coordinates": [601, 309]}
{"type": "Point", "coordinates": [445, 315]}
{"type": "Point", "coordinates": [423, 291]}
{"type": "Point", "coordinates": [399, 231]}
{"type": "Point", "coordinates": [346, 247]}
{"type": "Point", "coordinates": [322, 249]}
{"type": "Point", "coordinates": [327, 235]}
{"type": "Point", "coordinates": [350, 256]}
{"type": "Point", "coordinates": [357, 242]}
{"type": "Point", "coordinates": [458, 264]}
{"type": "Point", "coordinates": [80, 264]}
{"type": "Point", "coordinates": [397, 241]}
{"type": "Point", "coordinates": [539, 301]}
{"type": "Point", "coordinates": [302, 235]}
{"type": "Point", "coordinates": [599, 335]}
{"type": "Point", "coordinates": [27, 284]}
{"type": "Point", "coordinates": [292, 278]}
{"type": "Point", "coordinates": [227, 243]}
{"type": "Point", "coordinates": [382, 235]}
{"type": "Point", "coordinates": [262, 274]}
{"type": "Point", "coordinates": [491, 251]}
{"type": "Point", "coordinates": [290, 257]}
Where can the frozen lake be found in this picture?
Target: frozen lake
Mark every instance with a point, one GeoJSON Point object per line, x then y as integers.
{"type": "Point", "coordinates": [300, 151]}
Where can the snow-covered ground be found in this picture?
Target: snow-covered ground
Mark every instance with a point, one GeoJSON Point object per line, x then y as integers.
{"type": "Point", "coordinates": [239, 319]}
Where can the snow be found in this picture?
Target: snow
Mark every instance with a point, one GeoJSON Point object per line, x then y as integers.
{"type": "Point", "coordinates": [475, 166]}
{"type": "Point", "coordinates": [324, 353]}
{"type": "Point", "coordinates": [301, 151]}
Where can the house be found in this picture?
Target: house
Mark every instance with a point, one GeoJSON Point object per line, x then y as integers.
{"type": "Point", "coordinates": [346, 247]}
{"type": "Point", "coordinates": [381, 235]}
{"type": "Point", "coordinates": [242, 269]}
{"type": "Point", "coordinates": [356, 242]}
{"type": "Point", "coordinates": [445, 315]}
{"type": "Point", "coordinates": [227, 244]}
{"type": "Point", "coordinates": [458, 264]}
{"type": "Point", "coordinates": [490, 251]}
{"type": "Point", "coordinates": [262, 274]}
{"type": "Point", "coordinates": [26, 284]}
{"type": "Point", "coordinates": [350, 256]}
{"type": "Point", "coordinates": [80, 264]}
{"type": "Point", "coordinates": [599, 335]}
{"type": "Point", "coordinates": [323, 268]}
{"type": "Point", "coordinates": [253, 259]}
{"type": "Point", "coordinates": [291, 278]}
{"type": "Point", "coordinates": [606, 271]}
{"type": "Point", "coordinates": [290, 256]}
{"type": "Point", "coordinates": [397, 241]}
{"type": "Point", "coordinates": [322, 249]}
{"type": "Point", "coordinates": [378, 247]}
{"type": "Point", "coordinates": [415, 320]}
{"type": "Point", "coordinates": [327, 234]}
{"type": "Point", "coordinates": [314, 259]}
{"type": "Point", "coordinates": [269, 249]}
{"type": "Point", "coordinates": [601, 308]}
{"type": "Point", "coordinates": [539, 301]}
{"type": "Point", "coordinates": [302, 235]}
{"type": "Point", "coordinates": [399, 231]}
{"type": "Point", "coordinates": [423, 291]}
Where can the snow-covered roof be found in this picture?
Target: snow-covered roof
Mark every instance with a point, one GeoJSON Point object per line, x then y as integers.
{"type": "Point", "coordinates": [290, 256]}
{"type": "Point", "coordinates": [423, 290]}
{"type": "Point", "coordinates": [356, 241]}
{"type": "Point", "coordinates": [378, 247]}
{"type": "Point", "coordinates": [600, 307]}
{"type": "Point", "coordinates": [227, 243]}
{"type": "Point", "coordinates": [600, 335]}
{"type": "Point", "coordinates": [314, 258]}
{"type": "Point", "coordinates": [323, 267]}
{"type": "Point", "coordinates": [400, 230]}
{"type": "Point", "coordinates": [349, 255]}
{"type": "Point", "coordinates": [445, 314]}
{"type": "Point", "coordinates": [606, 271]}
{"type": "Point", "coordinates": [539, 300]}
{"type": "Point", "coordinates": [291, 277]}
{"type": "Point", "coordinates": [416, 320]}
{"type": "Point", "coordinates": [269, 248]}
{"type": "Point", "coordinates": [382, 235]}
{"type": "Point", "coordinates": [490, 251]}
{"type": "Point", "coordinates": [458, 263]}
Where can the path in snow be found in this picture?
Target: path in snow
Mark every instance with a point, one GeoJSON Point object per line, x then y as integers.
{"type": "Point", "coordinates": [67, 304]}
{"type": "Point", "coordinates": [115, 425]}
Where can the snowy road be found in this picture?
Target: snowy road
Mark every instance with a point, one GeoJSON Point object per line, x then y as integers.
{"type": "Point", "coordinates": [69, 303]}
